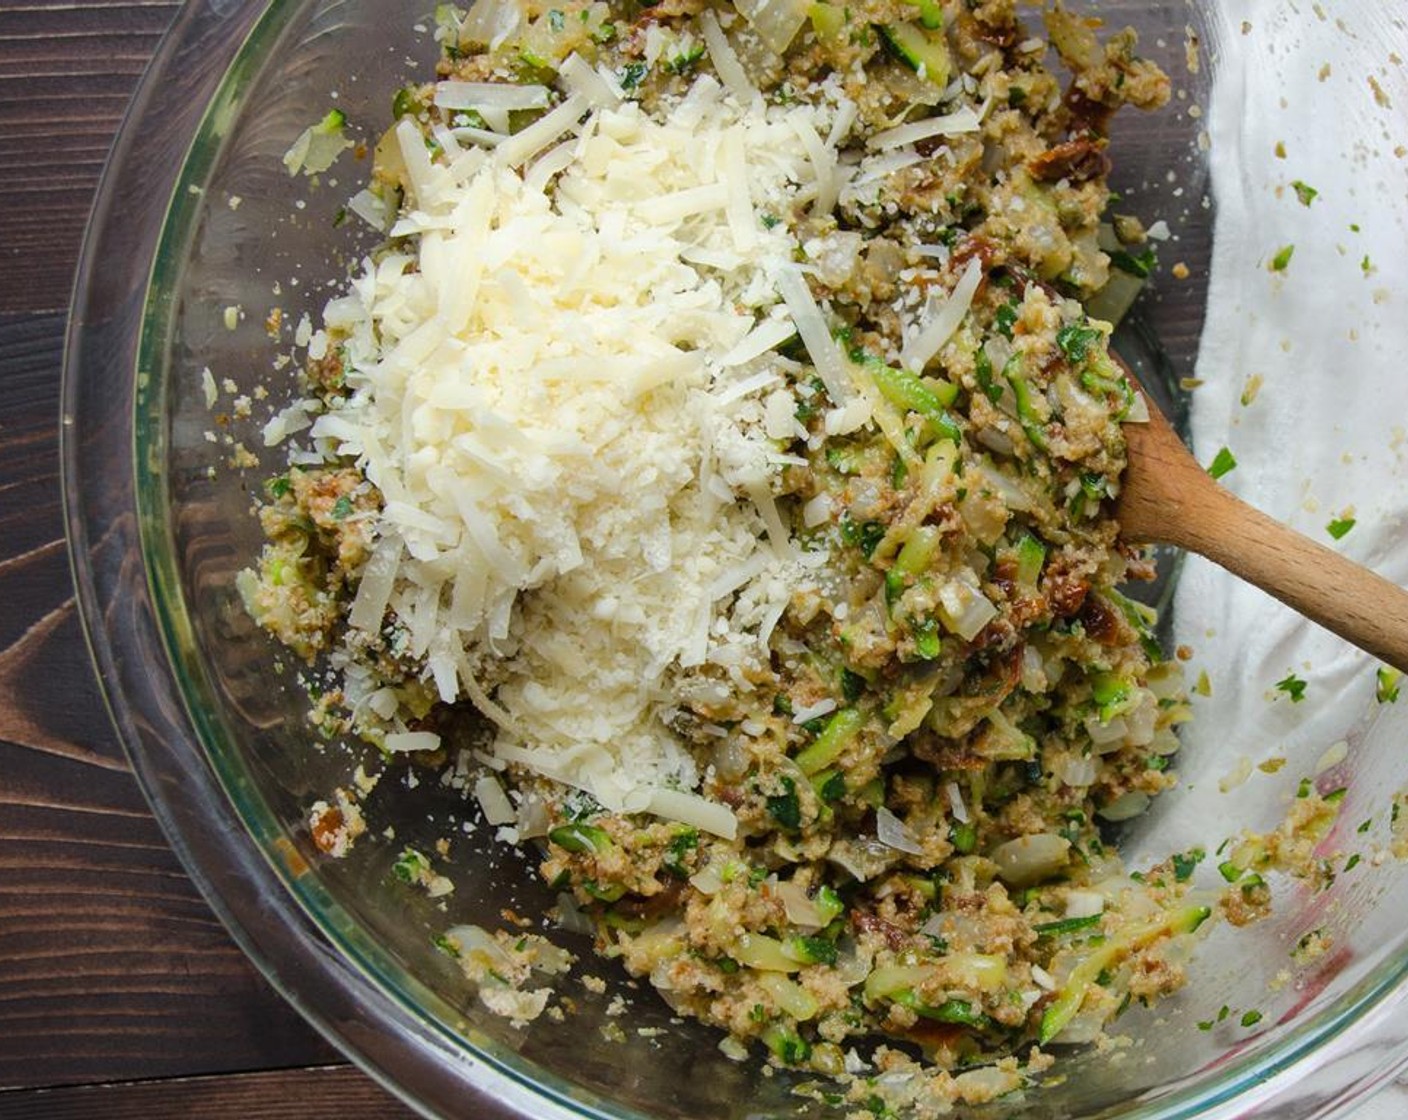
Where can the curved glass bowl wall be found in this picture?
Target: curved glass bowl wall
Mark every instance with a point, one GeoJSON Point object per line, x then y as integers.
{"type": "Point", "coordinates": [198, 235]}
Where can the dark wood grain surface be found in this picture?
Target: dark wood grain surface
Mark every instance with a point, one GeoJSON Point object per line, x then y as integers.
{"type": "Point", "coordinates": [120, 993]}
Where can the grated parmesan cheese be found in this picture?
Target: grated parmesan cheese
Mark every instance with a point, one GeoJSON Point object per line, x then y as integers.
{"type": "Point", "coordinates": [562, 396]}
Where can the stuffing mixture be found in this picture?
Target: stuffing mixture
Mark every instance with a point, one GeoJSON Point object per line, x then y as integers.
{"type": "Point", "coordinates": [716, 463]}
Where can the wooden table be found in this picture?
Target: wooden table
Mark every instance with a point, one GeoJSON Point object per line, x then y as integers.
{"type": "Point", "coordinates": [120, 993]}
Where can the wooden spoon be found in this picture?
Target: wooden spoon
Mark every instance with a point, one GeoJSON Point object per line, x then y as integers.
{"type": "Point", "coordinates": [1168, 498]}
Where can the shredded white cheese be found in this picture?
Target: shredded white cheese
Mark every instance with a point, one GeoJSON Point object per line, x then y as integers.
{"type": "Point", "coordinates": [562, 397]}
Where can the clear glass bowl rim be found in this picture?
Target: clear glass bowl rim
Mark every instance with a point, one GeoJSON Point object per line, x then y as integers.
{"type": "Point", "coordinates": [133, 619]}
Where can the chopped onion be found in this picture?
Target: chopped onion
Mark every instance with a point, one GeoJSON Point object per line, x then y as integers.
{"type": "Point", "coordinates": [1028, 860]}
{"type": "Point", "coordinates": [1042, 978]}
{"type": "Point", "coordinates": [933, 926]}
{"type": "Point", "coordinates": [498, 809]}
{"type": "Point", "coordinates": [987, 1083]}
{"type": "Point", "coordinates": [1126, 806]}
{"type": "Point", "coordinates": [1077, 771]}
{"type": "Point", "coordinates": [570, 916]}
{"type": "Point", "coordinates": [851, 967]}
{"type": "Point", "coordinates": [1106, 736]}
{"type": "Point", "coordinates": [708, 880]}
{"type": "Point", "coordinates": [1237, 775]}
{"type": "Point", "coordinates": [893, 833]}
{"type": "Point", "coordinates": [1084, 904]}
{"type": "Point", "coordinates": [939, 321]}
{"type": "Point", "coordinates": [473, 940]}
{"type": "Point", "coordinates": [1336, 753]}
{"type": "Point", "coordinates": [956, 804]}
{"type": "Point", "coordinates": [776, 21]}
{"type": "Point", "coordinates": [801, 910]}
{"type": "Point", "coordinates": [811, 711]}
{"type": "Point", "coordinates": [490, 22]}
{"type": "Point", "coordinates": [965, 610]}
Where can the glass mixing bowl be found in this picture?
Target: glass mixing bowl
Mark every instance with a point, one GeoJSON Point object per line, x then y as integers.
{"type": "Point", "coordinates": [199, 231]}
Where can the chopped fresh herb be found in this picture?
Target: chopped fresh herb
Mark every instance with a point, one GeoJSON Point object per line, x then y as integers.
{"type": "Point", "coordinates": [1229, 871]}
{"type": "Point", "coordinates": [834, 788]}
{"type": "Point", "coordinates": [277, 487]}
{"type": "Point", "coordinates": [410, 865]}
{"type": "Point", "coordinates": [1140, 265]}
{"type": "Point", "coordinates": [1076, 339]}
{"type": "Point", "coordinates": [785, 808]}
{"type": "Point", "coordinates": [1387, 684]}
{"type": "Point", "coordinates": [852, 685]}
{"type": "Point", "coordinates": [1365, 825]}
{"type": "Point", "coordinates": [1339, 527]}
{"type": "Point", "coordinates": [1293, 687]}
{"type": "Point", "coordinates": [1251, 1018]}
{"type": "Point", "coordinates": [1352, 862]}
{"type": "Point", "coordinates": [1282, 258]}
{"type": "Point", "coordinates": [1304, 191]}
{"type": "Point", "coordinates": [632, 74]}
{"type": "Point", "coordinates": [1335, 796]}
{"type": "Point", "coordinates": [342, 508]}
{"type": "Point", "coordinates": [1222, 463]}
{"type": "Point", "coordinates": [769, 221]}
{"type": "Point", "coordinates": [1006, 318]}
{"type": "Point", "coordinates": [685, 841]}
{"type": "Point", "coordinates": [1185, 863]}
{"type": "Point", "coordinates": [446, 945]}
{"type": "Point", "coordinates": [963, 837]}
{"type": "Point", "coordinates": [982, 370]}
{"type": "Point", "coordinates": [865, 535]}
{"type": "Point", "coordinates": [1305, 789]}
{"type": "Point", "coordinates": [1366, 266]}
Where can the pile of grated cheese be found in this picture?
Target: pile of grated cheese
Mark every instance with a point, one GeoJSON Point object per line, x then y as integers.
{"type": "Point", "coordinates": [564, 381]}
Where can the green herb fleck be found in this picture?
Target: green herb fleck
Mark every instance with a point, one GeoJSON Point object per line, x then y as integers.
{"type": "Point", "coordinates": [1304, 191]}
{"type": "Point", "coordinates": [1140, 265]}
{"type": "Point", "coordinates": [1386, 684]}
{"type": "Point", "coordinates": [865, 535]}
{"type": "Point", "coordinates": [1339, 527]}
{"type": "Point", "coordinates": [1184, 863]}
{"type": "Point", "coordinates": [784, 807]}
{"type": "Point", "coordinates": [1075, 341]}
{"type": "Point", "coordinates": [1251, 1018]}
{"type": "Point", "coordinates": [342, 508]}
{"type": "Point", "coordinates": [1006, 318]}
{"type": "Point", "coordinates": [1222, 463]}
{"type": "Point", "coordinates": [1282, 258]}
{"type": "Point", "coordinates": [1292, 686]}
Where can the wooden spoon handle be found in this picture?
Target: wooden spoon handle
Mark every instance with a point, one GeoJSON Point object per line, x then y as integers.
{"type": "Point", "coordinates": [1355, 603]}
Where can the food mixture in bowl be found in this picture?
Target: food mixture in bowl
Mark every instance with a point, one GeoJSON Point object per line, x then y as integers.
{"type": "Point", "coordinates": [712, 472]}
